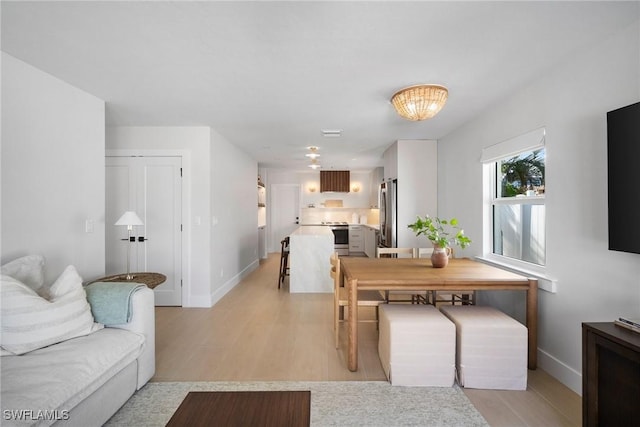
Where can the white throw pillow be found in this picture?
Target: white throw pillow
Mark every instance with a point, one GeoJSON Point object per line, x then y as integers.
{"type": "Point", "coordinates": [67, 283]}
{"type": "Point", "coordinates": [27, 269]}
{"type": "Point", "coordinates": [30, 322]}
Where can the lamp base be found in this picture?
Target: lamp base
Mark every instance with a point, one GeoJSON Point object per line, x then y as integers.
{"type": "Point", "coordinates": [129, 275]}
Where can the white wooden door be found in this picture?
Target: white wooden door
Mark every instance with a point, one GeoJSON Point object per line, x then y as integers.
{"type": "Point", "coordinates": [152, 188]}
{"type": "Point", "coordinates": [285, 212]}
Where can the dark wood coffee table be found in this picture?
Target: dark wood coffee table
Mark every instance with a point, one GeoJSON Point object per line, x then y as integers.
{"type": "Point", "coordinates": [244, 408]}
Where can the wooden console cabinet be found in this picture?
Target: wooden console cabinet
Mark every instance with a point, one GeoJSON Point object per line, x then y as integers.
{"type": "Point", "coordinates": [610, 375]}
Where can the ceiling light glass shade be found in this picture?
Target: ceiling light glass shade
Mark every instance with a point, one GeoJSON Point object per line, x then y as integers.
{"type": "Point", "coordinates": [420, 102]}
{"type": "Point", "coordinates": [313, 155]}
{"type": "Point", "coordinates": [314, 164]}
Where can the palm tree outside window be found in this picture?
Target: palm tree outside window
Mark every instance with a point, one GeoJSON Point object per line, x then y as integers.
{"type": "Point", "coordinates": [518, 207]}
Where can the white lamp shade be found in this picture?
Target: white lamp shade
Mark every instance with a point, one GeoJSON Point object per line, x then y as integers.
{"type": "Point", "coordinates": [129, 218]}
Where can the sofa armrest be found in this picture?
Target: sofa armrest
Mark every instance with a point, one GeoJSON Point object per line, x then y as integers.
{"type": "Point", "coordinates": [143, 322]}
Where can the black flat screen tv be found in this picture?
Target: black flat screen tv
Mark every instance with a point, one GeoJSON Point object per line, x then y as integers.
{"type": "Point", "coordinates": [623, 168]}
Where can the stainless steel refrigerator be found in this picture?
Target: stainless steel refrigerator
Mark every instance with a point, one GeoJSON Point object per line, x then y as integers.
{"type": "Point", "coordinates": [388, 214]}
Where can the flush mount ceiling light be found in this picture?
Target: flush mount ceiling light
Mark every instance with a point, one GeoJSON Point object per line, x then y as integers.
{"type": "Point", "coordinates": [314, 164]}
{"type": "Point", "coordinates": [420, 102]}
{"type": "Point", "coordinates": [314, 152]}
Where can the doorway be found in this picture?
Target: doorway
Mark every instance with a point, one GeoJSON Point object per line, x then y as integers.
{"type": "Point", "coordinates": [151, 187]}
{"type": "Point", "coordinates": [284, 212]}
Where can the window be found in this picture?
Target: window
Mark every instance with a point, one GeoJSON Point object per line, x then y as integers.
{"type": "Point", "coordinates": [515, 185]}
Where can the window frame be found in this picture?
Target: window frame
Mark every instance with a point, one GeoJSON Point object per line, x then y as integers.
{"type": "Point", "coordinates": [490, 156]}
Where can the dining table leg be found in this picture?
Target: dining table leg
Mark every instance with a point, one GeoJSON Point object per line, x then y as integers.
{"type": "Point", "coordinates": [352, 357]}
{"type": "Point", "coordinates": [532, 323]}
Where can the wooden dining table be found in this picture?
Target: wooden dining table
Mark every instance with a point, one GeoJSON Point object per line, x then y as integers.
{"type": "Point", "coordinates": [417, 274]}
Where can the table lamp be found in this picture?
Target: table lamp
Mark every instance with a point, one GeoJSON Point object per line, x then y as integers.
{"type": "Point", "coordinates": [129, 218]}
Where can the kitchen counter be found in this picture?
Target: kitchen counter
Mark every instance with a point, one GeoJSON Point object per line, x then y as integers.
{"type": "Point", "coordinates": [312, 230]}
{"type": "Point", "coordinates": [310, 247]}
{"type": "Point", "coordinates": [374, 226]}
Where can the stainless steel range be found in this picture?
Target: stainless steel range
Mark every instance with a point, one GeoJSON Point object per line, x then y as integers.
{"type": "Point", "coordinates": [340, 236]}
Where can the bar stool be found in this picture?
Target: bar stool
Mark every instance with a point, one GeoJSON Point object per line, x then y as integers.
{"type": "Point", "coordinates": [284, 260]}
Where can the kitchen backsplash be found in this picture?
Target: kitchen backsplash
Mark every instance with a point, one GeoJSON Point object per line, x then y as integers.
{"type": "Point", "coordinates": [318, 215]}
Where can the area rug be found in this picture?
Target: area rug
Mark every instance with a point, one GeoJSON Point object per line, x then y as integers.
{"type": "Point", "coordinates": [333, 403]}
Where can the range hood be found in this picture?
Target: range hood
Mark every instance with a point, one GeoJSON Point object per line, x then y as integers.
{"type": "Point", "coordinates": [335, 181]}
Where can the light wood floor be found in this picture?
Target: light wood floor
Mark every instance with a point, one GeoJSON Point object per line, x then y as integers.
{"type": "Point", "coordinates": [259, 333]}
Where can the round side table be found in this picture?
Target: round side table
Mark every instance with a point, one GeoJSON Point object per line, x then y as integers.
{"type": "Point", "coordinates": [150, 279]}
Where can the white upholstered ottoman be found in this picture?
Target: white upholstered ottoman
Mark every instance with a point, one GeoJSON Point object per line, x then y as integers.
{"type": "Point", "coordinates": [416, 345]}
{"type": "Point", "coordinates": [491, 348]}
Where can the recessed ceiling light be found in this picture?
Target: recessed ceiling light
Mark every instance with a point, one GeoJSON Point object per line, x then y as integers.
{"type": "Point", "coordinates": [332, 133]}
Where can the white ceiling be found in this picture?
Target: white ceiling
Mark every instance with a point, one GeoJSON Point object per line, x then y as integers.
{"type": "Point", "coordinates": [269, 76]}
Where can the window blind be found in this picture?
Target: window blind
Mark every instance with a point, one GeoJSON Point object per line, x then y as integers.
{"type": "Point", "coordinates": [526, 142]}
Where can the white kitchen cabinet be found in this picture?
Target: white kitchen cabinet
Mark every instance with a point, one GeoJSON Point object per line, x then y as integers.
{"type": "Point", "coordinates": [414, 163]}
{"type": "Point", "coordinates": [377, 177]}
{"type": "Point", "coordinates": [370, 241]}
{"type": "Point", "coordinates": [390, 162]}
{"type": "Point", "coordinates": [356, 238]}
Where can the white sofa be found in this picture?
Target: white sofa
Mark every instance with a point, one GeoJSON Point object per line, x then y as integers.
{"type": "Point", "coordinates": [82, 381]}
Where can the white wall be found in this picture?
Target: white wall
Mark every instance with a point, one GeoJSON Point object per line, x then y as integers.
{"type": "Point", "coordinates": [571, 101]}
{"type": "Point", "coordinates": [234, 207]}
{"type": "Point", "coordinates": [52, 171]}
{"type": "Point", "coordinates": [221, 214]}
{"type": "Point", "coordinates": [193, 143]}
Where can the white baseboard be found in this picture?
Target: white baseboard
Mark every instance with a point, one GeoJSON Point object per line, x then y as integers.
{"type": "Point", "coordinates": [232, 282]}
{"type": "Point", "coordinates": [199, 301]}
{"type": "Point", "coordinates": [560, 371]}
{"type": "Point", "coordinates": [209, 300]}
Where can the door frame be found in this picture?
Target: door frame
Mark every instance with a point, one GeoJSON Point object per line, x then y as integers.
{"type": "Point", "coordinates": [186, 206]}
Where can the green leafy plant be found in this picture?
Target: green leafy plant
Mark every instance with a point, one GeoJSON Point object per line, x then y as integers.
{"type": "Point", "coordinates": [440, 231]}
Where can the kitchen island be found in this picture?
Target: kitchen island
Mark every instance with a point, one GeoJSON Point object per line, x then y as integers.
{"type": "Point", "coordinates": [309, 250]}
